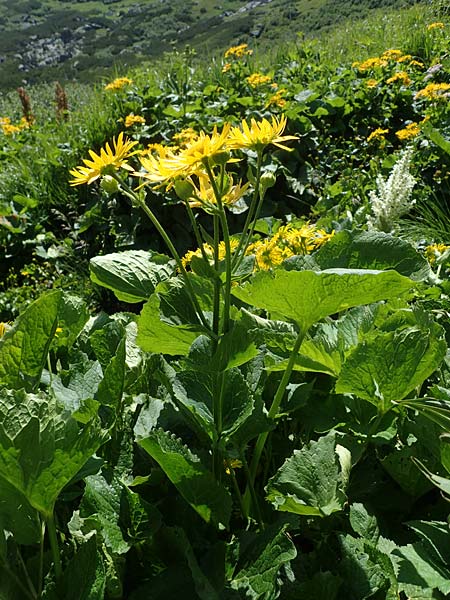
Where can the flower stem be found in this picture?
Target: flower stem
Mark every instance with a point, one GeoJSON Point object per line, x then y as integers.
{"type": "Point", "coordinates": [54, 546]}
{"type": "Point", "coordinates": [252, 214]}
{"type": "Point", "coordinates": [137, 201]}
{"type": "Point", "coordinates": [273, 411]}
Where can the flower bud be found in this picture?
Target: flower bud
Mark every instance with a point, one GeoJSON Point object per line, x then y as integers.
{"type": "Point", "coordinates": [109, 184]}
{"type": "Point", "coordinates": [220, 158]}
{"type": "Point", "coordinates": [266, 181]}
{"type": "Point", "coordinates": [183, 189]}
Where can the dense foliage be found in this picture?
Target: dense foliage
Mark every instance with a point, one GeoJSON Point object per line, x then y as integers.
{"type": "Point", "coordinates": [238, 385]}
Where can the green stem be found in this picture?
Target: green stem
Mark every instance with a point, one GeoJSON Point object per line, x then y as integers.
{"type": "Point", "coordinates": [273, 411]}
{"type": "Point", "coordinates": [54, 546]}
{"type": "Point", "coordinates": [41, 559]}
{"type": "Point", "coordinates": [237, 491]}
{"type": "Point", "coordinates": [226, 239]}
{"type": "Point", "coordinates": [196, 230]}
{"type": "Point", "coordinates": [217, 282]}
{"type": "Point", "coordinates": [251, 213]}
{"type": "Point", "coordinates": [141, 203]}
{"type": "Point", "coordinates": [16, 579]}
{"type": "Point", "coordinates": [253, 496]}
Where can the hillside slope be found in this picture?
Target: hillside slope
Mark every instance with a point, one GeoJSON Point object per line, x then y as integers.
{"type": "Point", "coordinates": [42, 40]}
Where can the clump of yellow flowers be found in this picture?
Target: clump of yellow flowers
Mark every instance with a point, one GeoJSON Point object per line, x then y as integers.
{"type": "Point", "coordinates": [117, 84]}
{"type": "Point", "coordinates": [198, 167]}
{"type": "Point", "coordinates": [9, 128]}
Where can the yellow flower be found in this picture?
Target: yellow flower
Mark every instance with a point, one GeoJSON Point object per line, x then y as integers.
{"type": "Point", "coordinates": [208, 250]}
{"type": "Point", "coordinates": [371, 83]}
{"type": "Point", "coordinates": [434, 251]}
{"type": "Point", "coordinates": [268, 254]}
{"type": "Point", "coordinates": [3, 328]}
{"type": "Point", "coordinates": [204, 196]}
{"type": "Point", "coordinates": [437, 25]}
{"type": "Point", "coordinates": [301, 240]}
{"type": "Point", "coordinates": [238, 51]}
{"type": "Point", "coordinates": [400, 77]}
{"type": "Point", "coordinates": [434, 91]}
{"type": "Point", "coordinates": [392, 54]}
{"type": "Point", "coordinates": [185, 136]}
{"type": "Point", "coordinates": [277, 99]}
{"type": "Point", "coordinates": [259, 135]}
{"type": "Point", "coordinates": [186, 161]}
{"type": "Point", "coordinates": [108, 161]}
{"type": "Point", "coordinates": [416, 63]}
{"type": "Point", "coordinates": [377, 134]}
{"type": "Point", "coordinates": [118, 84]}
{"type": "Point", "coordinates": [132, 119]}
{"type": "Point", "coordinates": [231, 464]}
{"type": "Point", "coordinates": [256, 79]}
{"type": "Point", "coordinates": [226, 67]}
{"type": "Point", "coordinates": [404, 58]}
{"type": "Point", "coordinates": [371, 63]}
{"type": "Point", "coordinates": [410, 131]}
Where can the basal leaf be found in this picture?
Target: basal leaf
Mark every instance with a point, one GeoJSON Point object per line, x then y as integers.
{"type": "Point", "coordinates": [111, 387]}
{"type": "Point", "coordinates": [102, 502]}
{"type": "Point", "coordinates": [133, 274]}
{"type": "Point", "coordinates": [194, 482]}
{"type": "Point", "coordinates": [261, 563]}
{"type": "Point", "coordinates": [416, 566]}
{"type": "Point", "coordinates": [386, 367]}
{"type": "Point", "coordinates": [372, 250]}
{"type": "Point", "coordinates": [308, 296]}
{"type": "Point", "coordinates": [42, 447]}
{"type": "Point", "coordinates": [17, 515]}
{"type": "Point", "coordinates": [313, 480]}
{"type": "Point", "coordinates": [24, 348]}
{"type": "Point", "coordinates": [157, 336]}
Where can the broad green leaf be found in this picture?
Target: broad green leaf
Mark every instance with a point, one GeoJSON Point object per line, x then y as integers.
{"type": "Point", "coordinates": [437, 411]}
{"type": "Point", "coordinates": [24, 348]}
{"type": "Point", "coordinates": [133, 274]}
{"type": "Point", "coordinates": [364, 523]}
{"type": "Point", "coordinates": [307, 296]}
{"type": "Point", "coordinates": [84, 577]}
{"type": "Point", "coordinates": [372, 250]}
{"type": "Point", "coordinates": [17, 515]}
{"type": "Point", "coordinates": [141, 519]}
{"type": "Point", "coordinates": [443, 483]}
{"type": "Point", "coordinates": [235, 348]}
{"type": "Point", "coordinates": [195, 483]}
{"type": "Point", "coordinates": [154, 335]}
{"type": "Point", "coordinates": [362, 574]}
{"type": "Point", "coordinates": [73, 315]}
{"type": "Point", "coordinates": [111, 387]}
{"type": "Point", "coordinates": [436, 137]}
{"type": "Point", "coordinates": [417, 566]}
{"type": "Point", "coordinates": [262, 561]}
{"type": "Point", "coordinates": [435, 536]}
{"type": "Point", "coordinates": [78, 384]}
{"type": "Point", "coordinates": [168, 323]}
{"type": "Point", "coordinates": [388, 366]}
{"type": "Point", "coordinates": [313, 480]}
{"type": "Point", "coordinates": [102, 502]}
{"type": "Point", "coordinates": [41, 447]}
{"type": "Point", "coordinates": [321, 586]}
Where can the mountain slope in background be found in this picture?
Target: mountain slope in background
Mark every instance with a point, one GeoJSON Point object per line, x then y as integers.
{"type": "Point", "coordinates": [42, 40]}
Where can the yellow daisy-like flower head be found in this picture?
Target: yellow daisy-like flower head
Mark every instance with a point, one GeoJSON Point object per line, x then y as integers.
{"type": "Point", "coordinates": [400, 77]}
{"type": "Point", "coordinates": [238, 51]}
{"type": "Point", "coordinates": [434, 251]}
{"type": "Point", "coordinates": [371, 83]}
{"type": "Point", "coordinates": [118, 84]}
{"type": "Point", "coordinates": [378, 134]}
{"type": "Point", "coordinates": [257, 136]}
{"type": "Point", "coordinates": [434, 91]}
{"type": "Point", "coordinates": [257, 79]}
{"type": "Point", "coordinates": [410, 131]}
{"type": "Point", "coordinates": [203, 195]}
{"type": "Point", "coordinates": [437, 25]}
{"type": "Point", "coordinates": [108, 161]}
{"type": "Point", "coordinates": [188, 160]}
{"type": "Point", "coordinates": [132, 119]}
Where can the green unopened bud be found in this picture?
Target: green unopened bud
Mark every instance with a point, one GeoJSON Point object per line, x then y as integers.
{"type": "Point", "coordinates": [220, 158]}
{"type": "Point", "coordinates": [266, 181]}
{"type": "Point", "coordinates": [109, 184]}
{"type": "Point", "coordinates": [184, 189]}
